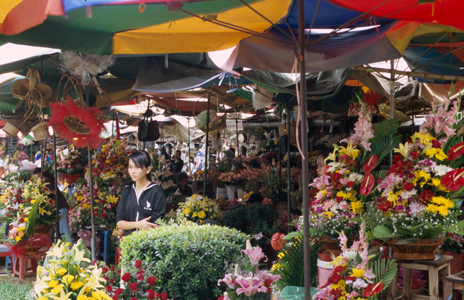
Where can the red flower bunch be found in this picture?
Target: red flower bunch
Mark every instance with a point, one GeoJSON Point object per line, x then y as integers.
{"type": "Point", "coordinates": [137, 284]}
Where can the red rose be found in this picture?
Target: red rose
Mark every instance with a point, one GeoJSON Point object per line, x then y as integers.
{"type": "Point", "coordinates": [109, 288]}
{"type": "Point", "coordinates": [436, 144]}
{"type": "Point", "coordinates": [133, 287]}
{"type": "Point", "coordinates": [104, 270]}
{"type": "Point", "coordinates": [140, 277]}
{"type": "Point", "coordinates": [338, 269]}
{"type": "Point", "coordinates": [151, 294]}
{"type": "Point", "coordinates": [425, 197]}
{"type": "Point", "coordinates": [119, 271]}
{"type": "Point", "coordinates": [111, 268]}
{"type": "Point", "coordinates": [350, 184]}
{"type": "Point", "coordinates": [115, 297]}
{"type": "Point", "coordinates": [384, 206]}
{"type": "Point", "coordinates": [104, 277]}
{"type": "Point", "coordinates": [414, 154]}
{"type": "Point", "coordinates": [373, 289]}
{"type": "Point", "coordinates": [133, 298]}
{"type": "Point", "coordinates": [397, 157]}
{"type": "Point", "coordinates": [126, 277]}
{"type": "Point", "coordinates": [164, 296]}
{"type": "Point", "coordinates": [408, 186]}
{"type": "Point", "coordinates": [118, 291]}
{"type": "Point", "coordinates": [138, 263]}
{"type": "Point", "coordinates": [220, 298]}
{"type": "Point", "coordinates": [151, 280]}
{"type": "Point", "coordinates": [111, 280]}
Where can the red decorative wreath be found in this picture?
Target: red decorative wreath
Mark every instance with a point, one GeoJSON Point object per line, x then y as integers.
{"type": "Point", "coordinates": [91, 117]}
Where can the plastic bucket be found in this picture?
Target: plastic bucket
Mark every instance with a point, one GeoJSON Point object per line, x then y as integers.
{"type": "Point", "coordinates": [231, 192]}
{"type": "Point", "coordinates": [323, 271]}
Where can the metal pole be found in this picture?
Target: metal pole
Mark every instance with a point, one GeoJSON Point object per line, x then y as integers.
{"type": "Point", "coordinates": [289, 184]}
{"type": "Point", "coordinates": [188, 129]}
{"type": "Point", "coordinates": [206, 146]}
{"type": "Point", "coordinates": [304, 147]}
{"type": "Point", "coordinates": [57, 231]}
{"type": "Point", "coordinates": [92, 210]}
{"type": "Point", "coordinates": [392, 99]}
{"type": "Point", "coordinates": [42, 159]}
{"type": "Point", "coordinates": [236, 131]}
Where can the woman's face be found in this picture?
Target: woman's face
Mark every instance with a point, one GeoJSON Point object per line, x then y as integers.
{"type": "Point", "coordinates": [321, 166]}
{"type": "Point", "coordinates": [137, 173]}
{"type": "Point", "coordinates": [183, 182]}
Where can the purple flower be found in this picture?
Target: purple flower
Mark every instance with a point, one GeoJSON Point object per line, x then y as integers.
{"type": "Point", "coordinates": [319, 209]}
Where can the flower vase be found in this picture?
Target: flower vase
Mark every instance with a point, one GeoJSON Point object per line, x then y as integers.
{"type": "Point", "coordinates": [231, 190]}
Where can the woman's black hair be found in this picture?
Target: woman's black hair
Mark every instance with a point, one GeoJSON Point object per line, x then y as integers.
{"type": "Point", "coordinates": [141, 159]}
{"type": "Point", "coordinates": [46, 174]}
{"type": "Point", "coordinates": [325, 152]}
{"type": "Point", "coordinates": [181, 176]}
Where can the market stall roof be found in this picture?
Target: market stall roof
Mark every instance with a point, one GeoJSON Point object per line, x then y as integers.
{"type": "Point", "coordinates": [121, 29]}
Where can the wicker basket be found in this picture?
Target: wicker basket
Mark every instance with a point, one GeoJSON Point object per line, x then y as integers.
{"type": "Point", "coordinates": [332, 245]}
{"type": "Point", "coordinates": [424, 249]}
{"type": "Point", "coordinates": [11, 130]}
{"type": "Point", "coordinates": [40, 131]}
{"type": "Point", "coordinates": [76, 125]}
{"type": "Point", "coordinates": [41, 228]}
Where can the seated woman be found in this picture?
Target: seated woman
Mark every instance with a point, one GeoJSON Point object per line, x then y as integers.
{"type": "Point", "coordinates": [184, 189]}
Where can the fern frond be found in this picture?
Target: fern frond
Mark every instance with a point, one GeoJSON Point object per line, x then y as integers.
{"type": "Point", "coordinates": [382, 232]}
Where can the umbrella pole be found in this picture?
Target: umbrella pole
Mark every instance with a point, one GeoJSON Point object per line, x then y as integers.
{"type": "Point", "coordinates": [206, 146]}
{"type": "Point", "coordinates": [289, 183]}
{"type": "Point", "coordinates": [57, 230]}
{"type": "Point", "coordinates": [392, 99]}
{"type": "Point", "coordinates": [92, 209]}
{"type": "Point", "coordinates": [42, 159]}
{"type": "Point", "coordinates": [304, 147]}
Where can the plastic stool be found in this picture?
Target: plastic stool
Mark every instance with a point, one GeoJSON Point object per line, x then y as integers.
{"type": "Point", "coordinates": [20, 267]}
{"type": "Point", "coordinates": [105, 238]}
{"type": "Point", "coordinates": [432, 266]}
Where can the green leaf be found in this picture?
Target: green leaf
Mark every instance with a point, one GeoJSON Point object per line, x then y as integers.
{"type": "Point", "coordinates": [293, 235]}
{"type": "Point", "coordinates": [386, 128]}
{"type": "Point", "coordinates": [382, 232]}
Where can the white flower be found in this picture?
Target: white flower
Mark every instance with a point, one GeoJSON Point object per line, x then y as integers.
{"type": "Point", "coordinates": [441, 170]}
{"type": "Point", "coordinates": [351, 255]}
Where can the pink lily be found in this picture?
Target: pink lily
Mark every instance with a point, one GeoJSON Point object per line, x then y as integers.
{"type": "Point", "coordinates": [250, 285]}
{"type": "Point", "coordinates": [228, 280]}
{"type": "Point", "coordinates": [254, 255]}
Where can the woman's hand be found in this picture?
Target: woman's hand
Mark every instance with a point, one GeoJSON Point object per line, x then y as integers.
{"type": "Point", "coordinates": [146, 224]}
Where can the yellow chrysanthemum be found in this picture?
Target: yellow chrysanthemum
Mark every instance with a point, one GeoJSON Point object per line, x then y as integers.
{"type": "Point", "coordinates": [436, 182]}
{"type": "Point", "coordinates": [356, 207]}
{"type": "Point", "coordinates": [82, 297]}
{"type": "Point", "coordinates": [443, 210]}
{"type": "Point", "coordinates": [187, 211]}
{"type": "Point", "coordinates": [56, 289]}
{"type": "Point", "coordinates": [201, 215]}
{"type": "Point", "coordinates": [68, 279]}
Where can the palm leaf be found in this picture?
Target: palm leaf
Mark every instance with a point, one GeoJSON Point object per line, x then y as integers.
{"type": "Point", "coordinates": [385, 271]}
{"type": "Point", "coordinates": [386, 128]}
{"type": "Point", "coordinates": [32, 219]}
{"type": "Point", "coordinates": [382, 232]}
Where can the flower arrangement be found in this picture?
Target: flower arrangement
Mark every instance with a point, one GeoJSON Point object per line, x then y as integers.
{"type": "Point", "coordinates": [231, 178]}
{"type": "Point", "coordinates": [18, 157]}
{"type": "Point", "coordinates": [66, 274]}
{"type": "Point", "coordinates": [75, 162]}
{"type": "Point", "coordinates": [247, 281]}
{"type": "Point", "coordinates": [420, 194]}
{"type": "Point", "coordinates": [357, 273]}
{"type": "Point", "coordinates": [137, 284]}
{"type": "Point", "coordinates": [78, 219]}
{"type": "Point", "coordinates": [198, 208]}
{"type": "Point", "coordinates": [11, 198]}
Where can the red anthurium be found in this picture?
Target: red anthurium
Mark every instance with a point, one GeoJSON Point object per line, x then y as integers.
{"type": "Point", "coordinates": [456, 151]}
{"type": "Point", "coordinates": [436, 144]}
{"type": "Point", "coordinates": [277, 241]}
{"type": "Point", "coordinates": [367, 184]}
{"type": "Point", "coordinates": [453, 180]}
{"type": "Point", "coordinates": [370, 163]}
{"type": "Point", "coordinates": [373, 289]}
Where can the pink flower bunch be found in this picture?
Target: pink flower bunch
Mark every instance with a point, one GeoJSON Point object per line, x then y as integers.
{"type": "Point", "coordinates": [441, 119]}
{"type": "Point", "coordinates": [363, 132]}
{"type": "Point", "coordinates": [250, 281]}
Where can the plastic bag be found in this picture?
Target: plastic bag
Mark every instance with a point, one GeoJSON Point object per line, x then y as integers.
{"type": "Point", "coordinates": [295, 293]}
{"type": "Point", "coordinates": [262, 98]}
{"type": "Point", "coordinates": [84, 66]}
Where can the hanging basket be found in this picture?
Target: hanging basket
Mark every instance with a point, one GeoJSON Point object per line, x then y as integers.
{"type": "Point", "coordinates": [76, 125]}
{"type": "Point", "coordinates": [40, 131]}
{"type": "Point", "coordinates": [424, 249]}
{"type": "Point", "coordinates": [11, 130]}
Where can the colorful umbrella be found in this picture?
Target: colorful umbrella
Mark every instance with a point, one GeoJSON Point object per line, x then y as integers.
{"type": "Point", "coordinates": [196, 26]}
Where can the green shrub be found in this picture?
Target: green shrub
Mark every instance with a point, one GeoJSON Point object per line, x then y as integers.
{"type": "Point", "coordinates": [187, 260]}
{"type": "Point", "coordinates": [253, 219]}
{"type": "Point", "coordinates": [22, 176]}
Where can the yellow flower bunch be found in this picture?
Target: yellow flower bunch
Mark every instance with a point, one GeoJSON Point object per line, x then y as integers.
{"type": "Point", "coordinates": [437, 153]}
{"type": "Point", "coordinates": [426, 138]}
{"type": "Point", "coordinates": [66, 275]}
{"type": "Point", "coordinates": [350, 151]}
{"type": "Point", "coordinates": [197, 208]}
{"type": "Point", "coordinates": [440, 205]}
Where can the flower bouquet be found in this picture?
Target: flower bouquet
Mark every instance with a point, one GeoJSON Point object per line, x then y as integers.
{"type": "Point", "coordinates": [137, 283]}
{"type": "Point", "coordinates": [420, 195]}
{"type": "Point", "coordinates": [357, 273]}
{"type": "Point", "coordinates": [348, 184]}
{"type": "Point", "coordinates": [198, 208]}
{"type": "Point", "coordinates": [247, 282]}
{"type": "Point", "coordinates": [74, 163]}
{"type": "Point", "coordinates": [66, 274]}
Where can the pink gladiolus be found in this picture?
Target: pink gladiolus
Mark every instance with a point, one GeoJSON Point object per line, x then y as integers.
{"type": "Point", "coordinates": [250, 285]}
{"type": "Point", "coordinates": [255, 255]}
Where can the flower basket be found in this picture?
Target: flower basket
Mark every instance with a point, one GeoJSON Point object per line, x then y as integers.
{"type": "Point", "coordinates": [40, 131]}
{"type": "Point", "coordinates": [423, 249]}
{"type": "Point", "coordinates": [42, 228]}
{"type": "Point", "coordinates": [332, 245]}
{"type": "Point", "coordinates": [71, 178]}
